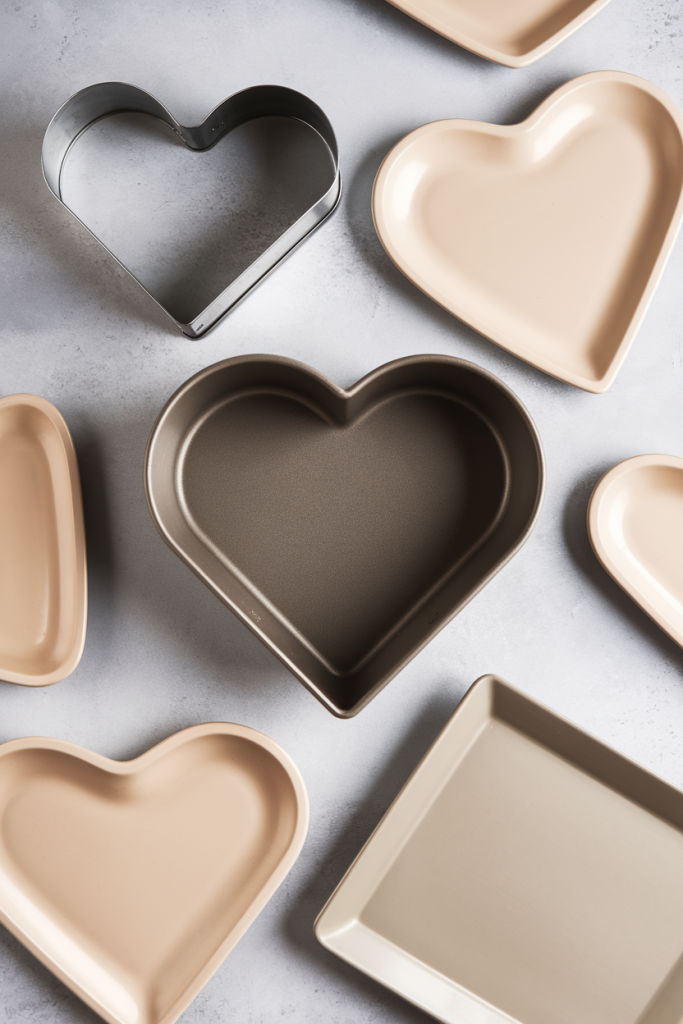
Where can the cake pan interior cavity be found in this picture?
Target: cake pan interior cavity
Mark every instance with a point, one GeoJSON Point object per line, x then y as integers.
{"type": "Point", "coordinates": [526, 874]}
{"type": "Point", "coordinates": [132, 881]}
{"type": "Point", "coordinates": [635, 523]}
{"type": "Point", "coordinates": [344, 527]}
{"type": "Point", "coordinates": [43, 584]}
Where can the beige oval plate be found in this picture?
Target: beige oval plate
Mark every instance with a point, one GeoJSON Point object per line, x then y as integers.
{"type": "Point", "coordinates": [133, 881]}
{"type": "Point", "coordinates": [43, 580]}
{"type": "Point", "coordinates": [550, 236]}
{"type": "Point", "coordinates": [510, 32]}
{"type": "Point", "coordinates": [635, 524]}
{"type": "Point", "coordinates": [526, 874]}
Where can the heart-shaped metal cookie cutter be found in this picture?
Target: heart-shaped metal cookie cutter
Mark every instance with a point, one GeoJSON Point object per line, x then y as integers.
{"type": "Point", "coordinates": [98, 101]}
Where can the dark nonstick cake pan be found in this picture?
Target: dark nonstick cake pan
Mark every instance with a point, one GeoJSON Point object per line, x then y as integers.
{"type": "Point", "coordinates": [344, 527]}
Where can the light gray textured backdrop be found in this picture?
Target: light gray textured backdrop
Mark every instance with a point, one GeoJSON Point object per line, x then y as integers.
{"type": "Point", "coordinates": [161, 652]}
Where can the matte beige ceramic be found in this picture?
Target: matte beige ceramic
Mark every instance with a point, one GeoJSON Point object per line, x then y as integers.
{"type": "Point", "coordinates": [133, 881]}
{"type": "Point", "coordinates": [635, 524]}
{"type": "Point", "coordinates": [549, 236]}
{"type": "Point", "coordinates": [43, 582]}
{"type": "Point", "coordinates": [526, 872]}
{"type": "Point", "coordinates": [511, 32]}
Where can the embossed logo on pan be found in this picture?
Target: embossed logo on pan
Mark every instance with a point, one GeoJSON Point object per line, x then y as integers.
{"type": "Point", "coordinates": [344, 527]}
{"type": "Point", "coordinates": [550, 236]}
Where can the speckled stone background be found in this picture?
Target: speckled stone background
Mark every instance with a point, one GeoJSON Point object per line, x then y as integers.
{"type": "Point", "coordinates": [161, 652]}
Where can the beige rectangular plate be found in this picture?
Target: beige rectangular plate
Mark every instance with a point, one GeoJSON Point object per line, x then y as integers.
{"type": "Point", "coordinates": [511, 32]}
{"type": "Point", "coordinates": [133, 881]}
{"type": "Point", "coordinates": [635, 523]}
{"type": "Point", "coordinates": [43, 581]}
{"type": "Point", "coordinates": [550, 236]}
{"type": "Point", "coordinates": [526, 872]}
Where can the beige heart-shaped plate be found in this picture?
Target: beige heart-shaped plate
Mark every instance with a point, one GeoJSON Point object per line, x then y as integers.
{"type": "Point", "coordinates": [510, 32]}
{"type": "Point", "coordinates": [549, 236]}
{"type": "Point", "coordinates": [635, 524]}
{"type": "Point", "coordinates": [132, 881]}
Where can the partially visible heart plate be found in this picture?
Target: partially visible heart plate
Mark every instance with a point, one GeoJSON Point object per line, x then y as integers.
{"type": "Point", "coordinates": [635, 523]}
{"type": "Point", "coordinates": [550, 236]}
{"type": "Point", "coordinates": [132, 881]}
{"type": "Point", "coordinates": [510, 32]}
{"type": "Point", "coordinates": [43, 574]}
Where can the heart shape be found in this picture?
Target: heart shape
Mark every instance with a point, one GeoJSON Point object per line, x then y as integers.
{"type": "Point", "coordinates": [550, 236]}
{"type": "Point", "coordinates": [133, 881]}
{"type": "Point", "coordinates": [634, 523]}
{"type": "Point", "coordinates": [43, 575]}
{"type": "Point", "coordinates": [344, 527]}
{"type": "Point", "coordinates": [514, 32]}
{"type": "Point", "coordinates": [92, 104]}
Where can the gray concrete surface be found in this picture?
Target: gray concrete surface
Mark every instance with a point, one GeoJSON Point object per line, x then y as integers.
{"type": "Point", "coordinates": [161, 652]}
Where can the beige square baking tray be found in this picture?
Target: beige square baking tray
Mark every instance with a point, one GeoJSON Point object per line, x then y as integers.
{"type": "Point", "coordinates": [635, 524]}
{"type": "Point", "coordinates": [527, 872]}
{"type": "Point", "coordinates": [132, 881]}
{"type": "Point", "coordinates": [510, 32]}
{"type": "Point", "coordinates": [550, 236]}
{"type": "Point", "coordinates": [43, 577]}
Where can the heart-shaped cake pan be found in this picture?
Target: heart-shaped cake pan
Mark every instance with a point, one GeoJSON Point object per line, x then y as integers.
{"type": "Point", "coordinates": [344, 527]}
{"type": "Point", "coordinates": [510, 32]}
{"type": "Point", "coordinates": [550, 236]}
{"type": "Point", "coordinates": [43, 576]}
{"type": "Point", "coordinates": [89, 105]}
{"type": "Point", "coordinates": [132, 881]}
{"type": "Point", "coordinates": [635, 524]}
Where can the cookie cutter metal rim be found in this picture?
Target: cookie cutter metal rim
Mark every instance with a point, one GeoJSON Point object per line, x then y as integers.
{"type": "Point", "coordinates": [93, 103]}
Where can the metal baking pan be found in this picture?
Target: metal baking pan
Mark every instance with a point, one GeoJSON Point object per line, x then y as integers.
{"type": "Point", "coordinates": [549, 236]}
{"type": "Point", "coordinates": [132, 881]}
{"type": "Point", "coordinates": [526, 874]}
{"type": "Point", "coordinates": [43, 576]}
{"type": "Point", "coordinates": [510, 32]}
{"type": "Point", "coordinates": [344, 527]}
{"type": "Point", "coordinates": [635, 519]}
{"type": "Point", "coordinates": [89, 105]}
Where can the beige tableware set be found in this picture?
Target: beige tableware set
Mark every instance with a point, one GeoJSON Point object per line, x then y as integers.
{"type": "Point", "coordinates": [526, 872]}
